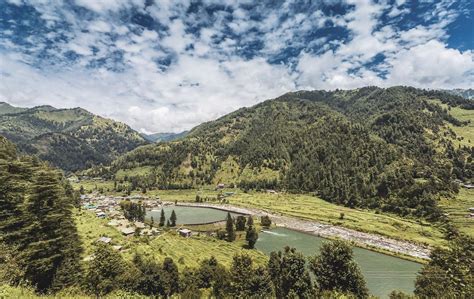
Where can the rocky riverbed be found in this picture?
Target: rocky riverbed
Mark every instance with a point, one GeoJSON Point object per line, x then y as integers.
{"type": "Point", "coordinates": [328, 231]}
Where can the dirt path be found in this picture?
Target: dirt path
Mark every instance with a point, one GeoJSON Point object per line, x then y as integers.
{"type": "Point", "coordinates": [327, 230]}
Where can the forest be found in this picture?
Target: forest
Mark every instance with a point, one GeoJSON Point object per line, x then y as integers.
{"type": "Point", "coordinates": [388, 149]}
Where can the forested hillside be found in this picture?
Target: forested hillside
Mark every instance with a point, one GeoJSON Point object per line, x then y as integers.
{"type": "Point", "coordinates": [71, 139]}
{"type": "Point", "coordinates": [157, 137]}
{"type": "Point", "coordinates": [392, 149]}
{"type": "Point", "coordinates": [39, 244]}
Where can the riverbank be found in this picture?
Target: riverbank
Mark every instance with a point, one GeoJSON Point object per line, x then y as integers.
{"type": "Point", "coordinates": [370, 241]}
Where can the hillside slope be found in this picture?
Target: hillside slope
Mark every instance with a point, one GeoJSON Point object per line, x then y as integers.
{"type": "Point", "coordinates": [71, 139]}
{"type": "Point", "coordinates": [158, 137]}
{"type": "Point", "coordinates": [391, 149]}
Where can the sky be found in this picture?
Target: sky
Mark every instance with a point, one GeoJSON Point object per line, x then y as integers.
{"type": "Point", "coordinates": [169, 65]}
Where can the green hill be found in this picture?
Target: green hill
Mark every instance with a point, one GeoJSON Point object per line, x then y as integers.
{"type": "Point", "coordinates": [71, 139]}
{"type": "Point", "coordinates": [158, 137]}
{"type": "Point", "coordinates": [392, 149]}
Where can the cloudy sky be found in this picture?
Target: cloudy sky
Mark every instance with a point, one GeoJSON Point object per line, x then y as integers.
{"type": "Point", "coordinates": [168, 65]}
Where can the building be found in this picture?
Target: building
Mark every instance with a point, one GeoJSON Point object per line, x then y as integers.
{"type": "Point", "coordinates": [105, 240]}
{"type": "Point", "coordinates": [184, 232]}
{"type": "Point", "coordinates": [139, 224]}
{"type": "Point", "coordinates": [468, 186]}
{"type": "Point", "coordinates": [101, 214]}
{"type": "Point", "coordinates": [127, 231]}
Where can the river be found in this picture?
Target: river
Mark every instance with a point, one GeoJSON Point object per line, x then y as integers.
{"type": "Point", "coordinates": [383, 273]}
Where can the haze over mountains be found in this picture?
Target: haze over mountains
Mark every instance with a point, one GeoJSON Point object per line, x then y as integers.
{"type": "Point", "coordinates": [70, 139]}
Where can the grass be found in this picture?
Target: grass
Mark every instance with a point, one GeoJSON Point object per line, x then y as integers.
{"type": "Point", "coordinates": [457, 208]}
{"type": "Point", "coordinates": [184, 251]}
{"type": "Point", "coordinates": [314, 208]}
{"type": "Point", "coordinates": [465, 133]}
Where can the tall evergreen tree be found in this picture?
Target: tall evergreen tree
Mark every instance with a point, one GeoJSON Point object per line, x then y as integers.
{"type": "Point", "coordinates": [251, 237]}
{"type": "Point", "coordinates": [46, 248]}
{"type": "Point", "coordinates": [162, 218]}
{"type": "Point", "coordinates": [240, 223]}
{"type": "Point", "coordinates": [230, 228]}
{"type": "Point", "coordinates": [173, 218]}
{"type": "Point", "coordinates": [335, 270]}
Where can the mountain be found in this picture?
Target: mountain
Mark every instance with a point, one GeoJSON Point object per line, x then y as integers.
{"type": "Point", "coordinates": [158, 137]}
{"type": "Point", "coordinates": [465, 93]}
{"type": "Point", "coordinates": [71, 139]}
{"type": "Point", "coordinates": [394, 149]}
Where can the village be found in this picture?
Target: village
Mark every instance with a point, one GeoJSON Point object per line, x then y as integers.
{"type": "Point", "coordinates": [108, 207]}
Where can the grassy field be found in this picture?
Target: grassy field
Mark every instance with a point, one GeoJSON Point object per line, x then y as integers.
{"type": "Point", "coordinates": [184, 251]}
{"type": "Point", "coordinates": [314, 208]}
{"type": "Point", "coordinates": [457, 208]}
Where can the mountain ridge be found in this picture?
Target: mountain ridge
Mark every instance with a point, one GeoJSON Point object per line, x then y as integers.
{"type": "Point", "coordinates": [369, 147]}
{"type": "Point", "coordinates": [69, 138]}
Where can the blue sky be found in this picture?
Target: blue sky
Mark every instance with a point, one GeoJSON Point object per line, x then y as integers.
{"type": "Point", "coordinates": [168, 65]}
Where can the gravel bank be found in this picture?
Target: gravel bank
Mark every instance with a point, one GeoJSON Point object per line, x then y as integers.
{"type": "Point", "coordinates": [327, 230]}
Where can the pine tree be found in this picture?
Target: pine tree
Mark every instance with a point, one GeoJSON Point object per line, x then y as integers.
{"type": "Point", "coordinates": [250, 221]}
{"type": "Point", "coordinates": [173, 218]}
{"type": "Point", "coordinates": [251, 237]}
{"type": "Point", "coordinates": [240, 223]}
{"type": "Point", "coordinates": [168, 224]}
{"type": "Point", "coordinates": [162, 218]}
{"type": "Point", "coordinates": [45, 241]}
{"type": "Point", "coordinates": [230, 228]}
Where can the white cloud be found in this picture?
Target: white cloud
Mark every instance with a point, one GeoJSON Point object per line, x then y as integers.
{"type": "Point", "coordinates": [206, 74]}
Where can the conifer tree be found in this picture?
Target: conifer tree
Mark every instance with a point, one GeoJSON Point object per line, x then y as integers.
{"type": "Point", "coordinates": [173, 218]}
{"type": "Point", "coordinates": [162, 218]}
{"type": "Point", "coordinates": [230, 228]}
{"type": "Point", "coordinates": [251, 237]}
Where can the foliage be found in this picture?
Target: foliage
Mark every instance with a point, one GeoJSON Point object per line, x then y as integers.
{"type": "Point", "coordinates": [251, 237]}
{"type": "Point", "coordinates": [240, 223]}
{"type": "Point", "coordinates": [247, 281]}
{"type": "Point", "coordinates": [133, 211]}
{"type": "Point", "coordinates": [289, 274]}
{"type": "Point", "coordinates": [385, 149]}
{"type": "Point", "coordinates": [37, 233]}
{"type": "Point", "coordinates": [335, 270]}
{"type": "Point", "coordinates": [449, 272]}
{"type": "Point", "coordinates": [71, 139]}
{"type": "Point", "coordinates": [265, 221]}
{"type": "Point", "coordinates": [106, 272]}
{"type": "Point", "coordinates": [173, 219]}
{"type": "Point", "coordinates": [229, 227]}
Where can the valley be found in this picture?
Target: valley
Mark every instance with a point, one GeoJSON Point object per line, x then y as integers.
{"type": "Point", "coordinates": [384, 175]}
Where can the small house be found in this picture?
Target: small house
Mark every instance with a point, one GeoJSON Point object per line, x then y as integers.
{"type": "Point", "coordinates": [270, 191]}
{"type": "Point", "coordinates": [101, 214]}
{"type": "Point", "coordinates": [105, 240]}
{"type": "Point", "coordinates": [117, 247]}
{"type": "Point", "coordinates": [471, 210]}
{"type": "Point", "coordinates": [220, 186]}
{"type": "Point", "coordinates": [127, 231]}
{"type": "Point", "coordinates": [184, 232]}
{"type": "Point", "coordinates": [468, 186]}
{"type": "Point", "coordinates": [139, 224]}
